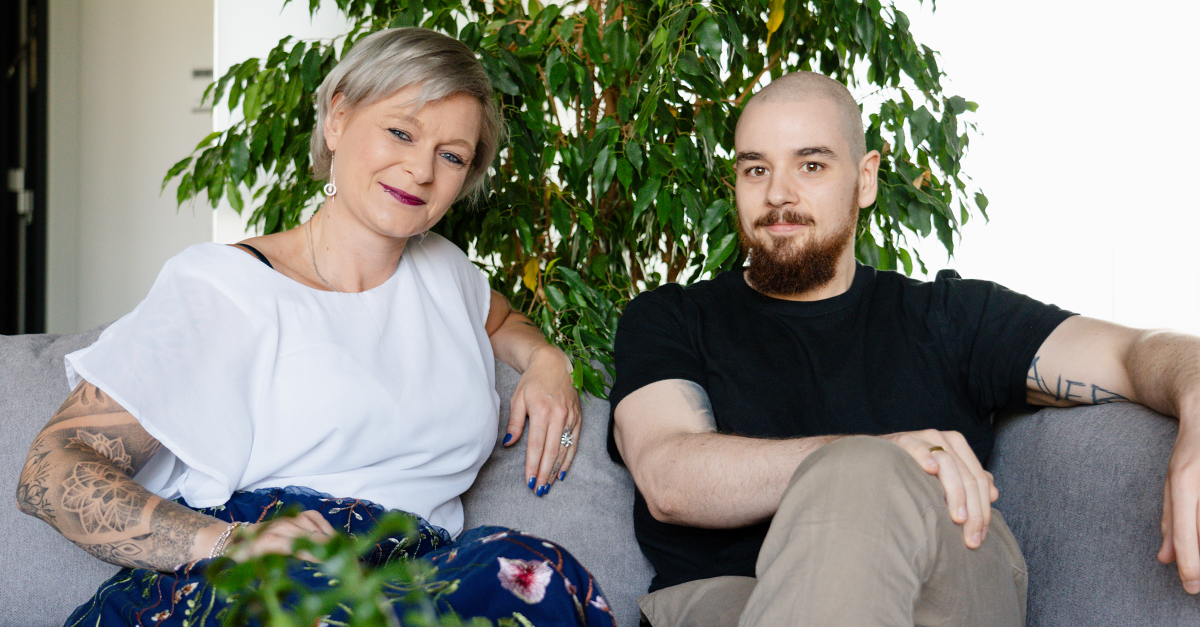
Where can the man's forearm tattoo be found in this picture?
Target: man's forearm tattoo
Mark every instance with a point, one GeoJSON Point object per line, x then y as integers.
{"type": "Point", "coordinates": [1071, 391]}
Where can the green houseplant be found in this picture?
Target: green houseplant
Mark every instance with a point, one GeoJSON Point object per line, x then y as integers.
{"type": "Point", "coordinates": [616, 176]}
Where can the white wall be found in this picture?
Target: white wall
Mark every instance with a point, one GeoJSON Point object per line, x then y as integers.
{"type": "Point", "coordinates": [62, 158]}
{"type": "Point", "coordinates": [251, 28]}
{"type": "Point", "coordinates": [122, 98]}
{"type": "Point", "coordinates": [1087, 152]}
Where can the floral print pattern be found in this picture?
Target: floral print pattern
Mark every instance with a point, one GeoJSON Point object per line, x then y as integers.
{"type": "Point", "coordinates": [525, 578]}
{"type": "Point", "coordinates": [493, 572]}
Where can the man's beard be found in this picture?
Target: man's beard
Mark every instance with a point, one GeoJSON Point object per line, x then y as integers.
{"type": "Point", "coordinates": [787, 269]}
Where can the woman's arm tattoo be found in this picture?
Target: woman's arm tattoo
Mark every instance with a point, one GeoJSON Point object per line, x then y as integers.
{"type": "Point", "coordinates": [78, 477]}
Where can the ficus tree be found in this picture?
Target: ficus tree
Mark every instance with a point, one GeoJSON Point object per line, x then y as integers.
{"type": "Point", "coordinates": [616, 176]}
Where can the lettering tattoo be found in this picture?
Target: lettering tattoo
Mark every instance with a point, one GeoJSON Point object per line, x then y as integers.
{"type": "Point", "coordinates": [1066, 391]}
{"type": "Point", "coordinates": [697, 399]}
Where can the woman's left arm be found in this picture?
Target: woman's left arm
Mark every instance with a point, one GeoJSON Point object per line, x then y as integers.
{"type": "Point", "coordinates": [545, 394]}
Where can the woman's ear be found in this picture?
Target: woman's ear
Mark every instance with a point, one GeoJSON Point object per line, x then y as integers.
{"type": "Point", "coordinates": [335, 121]}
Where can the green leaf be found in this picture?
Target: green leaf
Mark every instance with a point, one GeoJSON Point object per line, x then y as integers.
{"type": "Point", "coordinates": [296, 55]}
{"type": "Point", "coordinates": [633, 152]}
{"type": "Point", "coordinates": [709, 34]}
{"type": "Point", "coordinates": [624, 173]}
{"type": "Point", "coordinates": [208, 139]}
{"type": "Point", "coordinates": [646, 195]}
{"type": "Point", "coordinates": [234, 196]}
{"type": "Point", "coordinates": [556, 298]}
{"type": "Point", "coordinates": [310, 69]}
{"type": "Point", "coordinates": [957, 105]}
{"type": "Point", "coordinates": [981, 201]}
{"type": "Point", "coordinates": [239, 161]}
{"type": "Point", "coordinates": [250, 104]}
{"type": "Point", "coordinates": [713, 216]}
{"type": "Point", "coordinates": [175, 170]}
{"type": "Point", "coordinates": [722, 251]}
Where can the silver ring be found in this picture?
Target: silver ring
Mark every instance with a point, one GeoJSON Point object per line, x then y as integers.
{"type": "Point", "coordinates": [567, 438]}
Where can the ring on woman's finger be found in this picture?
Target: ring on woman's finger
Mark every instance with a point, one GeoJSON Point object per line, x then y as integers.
{"type": "Point", "coordinates": [567, 438]}
{"type": "Point", "coordinates": [934, 449]}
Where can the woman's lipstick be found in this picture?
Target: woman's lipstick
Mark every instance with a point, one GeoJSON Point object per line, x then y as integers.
{"type": "Point", "coordinates": [403, 196]}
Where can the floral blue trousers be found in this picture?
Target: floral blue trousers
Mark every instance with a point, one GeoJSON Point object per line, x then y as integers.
{"type": "Point", "coordinates": [497, 572]}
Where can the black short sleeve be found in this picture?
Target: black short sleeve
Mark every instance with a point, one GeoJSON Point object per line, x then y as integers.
{"type": "Point", "coordinates": [652, 344]}
{"type": "Point", "coordinates": [994, 334]}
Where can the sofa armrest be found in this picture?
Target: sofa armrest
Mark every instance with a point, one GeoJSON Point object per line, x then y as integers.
{"type": "Point", "coordinates": [1082, 490]}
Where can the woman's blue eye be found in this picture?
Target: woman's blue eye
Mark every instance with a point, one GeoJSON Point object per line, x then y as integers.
{"type": "Point", "coordinates": [453, 158]}
{"type": "Point", "coordinates": [402, 135]}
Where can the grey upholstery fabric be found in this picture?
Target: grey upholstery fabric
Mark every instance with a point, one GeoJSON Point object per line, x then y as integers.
{"type": "Point", "coordinates": [591, 513]}
{"type": "Point", "coordinates": [1082, 490]}
{"type": "Point", "coordinates": [43, 577]}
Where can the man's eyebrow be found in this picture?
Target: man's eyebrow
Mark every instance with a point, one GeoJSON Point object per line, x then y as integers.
{"type": "Point", "coordinates": [748, 156]}
{"type": "Point", "coordinates": [810, 151]}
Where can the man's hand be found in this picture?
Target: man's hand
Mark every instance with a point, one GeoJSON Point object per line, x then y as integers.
{"type": "Point", "coordinates": [1181, 498]}
{"type": "Point", "coordinates": [970, 490]}
{"type": "Point", "coordinates": [546, 394]}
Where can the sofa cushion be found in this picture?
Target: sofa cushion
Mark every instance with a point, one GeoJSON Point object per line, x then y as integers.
{"type": "Point", "coordinates": [1082, 491]}
{"type": "Point", "coordinates": [44, 576]}
{"type": "Point", "coordinates": [590, 513]}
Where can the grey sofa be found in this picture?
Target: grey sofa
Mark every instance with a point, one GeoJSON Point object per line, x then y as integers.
{"type": "Point", "coordinates": [1081, 489]}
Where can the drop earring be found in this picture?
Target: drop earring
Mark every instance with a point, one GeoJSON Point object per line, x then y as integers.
{"type": "Point", "coordinates": [331, 187]}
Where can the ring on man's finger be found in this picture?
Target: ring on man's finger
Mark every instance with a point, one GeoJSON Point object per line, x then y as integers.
{"type": "Point", "coordinates": [934, 449]}
{"type": "Point", "coordinates": [567, 438]}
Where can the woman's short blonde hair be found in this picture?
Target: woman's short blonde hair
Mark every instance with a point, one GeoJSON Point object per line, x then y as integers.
{"type": "Point", "coordinates": [385, 62]}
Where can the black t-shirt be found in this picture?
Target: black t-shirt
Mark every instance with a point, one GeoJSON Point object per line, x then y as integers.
{"type": "Point", "coordinates": [891, 354]}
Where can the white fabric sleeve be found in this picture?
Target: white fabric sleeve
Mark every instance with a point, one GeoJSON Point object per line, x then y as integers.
{"type": "Point", "coordinates": [181, 363]}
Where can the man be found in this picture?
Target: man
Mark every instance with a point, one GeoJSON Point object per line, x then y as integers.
{"type": "Point", "coordinates": [735, 399]}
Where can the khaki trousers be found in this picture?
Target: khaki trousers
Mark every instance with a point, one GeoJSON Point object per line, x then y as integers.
{"type": "Point", "coordinates": [862, 537]}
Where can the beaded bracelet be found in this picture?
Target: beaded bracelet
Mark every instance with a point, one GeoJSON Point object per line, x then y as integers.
{"type": "Point", "coordinates": [219, 548]}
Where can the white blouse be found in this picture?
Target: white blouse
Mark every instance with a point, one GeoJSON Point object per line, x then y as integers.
{"type": "Point", "coordinates": [252, 380]}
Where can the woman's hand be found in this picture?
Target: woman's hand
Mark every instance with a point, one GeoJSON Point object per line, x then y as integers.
{"type": "Point", "coordinates": [546, 395]}
{"type": "Point", "coordinates": [279, 536]}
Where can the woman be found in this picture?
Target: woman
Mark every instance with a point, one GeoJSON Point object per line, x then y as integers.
{"type": "Point", "coordinates": [352, 358]}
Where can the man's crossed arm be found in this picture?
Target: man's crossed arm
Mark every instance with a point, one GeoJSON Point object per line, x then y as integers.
{"type": "Point", "coordinates": [691, 475]}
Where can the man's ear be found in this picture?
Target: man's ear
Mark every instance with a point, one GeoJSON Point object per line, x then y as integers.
{"type": "Point", "coordinates": [335, 121]}
{"type": "Point", "coordinates": [868, 179]}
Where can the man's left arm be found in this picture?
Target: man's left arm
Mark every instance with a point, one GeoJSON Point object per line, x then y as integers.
{"type": "Point", "coordinates": [1089, 361]}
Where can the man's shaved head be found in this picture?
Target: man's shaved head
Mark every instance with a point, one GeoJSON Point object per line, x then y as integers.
{"type": "Point", "coordinates": [800, 86]}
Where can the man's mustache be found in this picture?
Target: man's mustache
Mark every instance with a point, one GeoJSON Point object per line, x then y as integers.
{"type": "Point", "coordinates": [784, 216]}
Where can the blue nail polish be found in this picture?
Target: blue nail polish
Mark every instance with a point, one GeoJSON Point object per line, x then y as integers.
{"type": "Point", "coordinates": [562, 475]}
{"type": "Point", "coordinates": [531, 482]}
{"type": "Point", "coordinates": [539, 489]}
{"type": "Point", "coordinates": [547, 490]}
{"type": "Point", "coordinates": [507, 438]}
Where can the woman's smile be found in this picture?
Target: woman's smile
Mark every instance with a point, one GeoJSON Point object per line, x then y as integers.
{"type": "Point", "coordinates": [402, 196]}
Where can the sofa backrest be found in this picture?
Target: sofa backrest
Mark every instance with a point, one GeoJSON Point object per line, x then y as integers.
{"type": "Point", "coordinates": [43, 577]}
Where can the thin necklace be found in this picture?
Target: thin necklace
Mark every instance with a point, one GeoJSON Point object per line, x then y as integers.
{"type": "Point", "coordinates": [313, 254]}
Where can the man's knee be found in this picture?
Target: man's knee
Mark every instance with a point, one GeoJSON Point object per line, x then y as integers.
{"type": "Point", "coordinates": [866, 468]}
